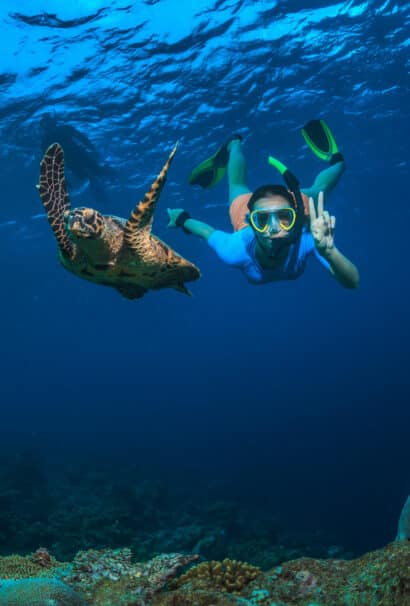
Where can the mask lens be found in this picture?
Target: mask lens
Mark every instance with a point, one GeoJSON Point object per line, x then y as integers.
{"type": "Point", "coordinates": [285, 218]}
{"type": "Point", "coordinates": [261, 219]}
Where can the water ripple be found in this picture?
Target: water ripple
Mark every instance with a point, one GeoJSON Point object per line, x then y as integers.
{"type": "Point", "coordinates": [136, 79]}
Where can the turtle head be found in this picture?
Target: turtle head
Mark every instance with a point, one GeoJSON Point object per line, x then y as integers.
{"type": "Point", "coordinates": [84, 223]}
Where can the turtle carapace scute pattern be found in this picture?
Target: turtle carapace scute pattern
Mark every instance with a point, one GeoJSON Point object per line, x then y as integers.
{"type": "Point", "coordinates": [110, 250]}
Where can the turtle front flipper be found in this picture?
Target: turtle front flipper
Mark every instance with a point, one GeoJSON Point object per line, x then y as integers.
{"type": "Point", "coordinates": [54, 195]}
{"type": "Point", "coordinates": [142, 216]}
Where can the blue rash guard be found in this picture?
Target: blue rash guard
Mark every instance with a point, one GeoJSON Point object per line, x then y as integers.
{"type": "Point", "coordinates": [238, 249]}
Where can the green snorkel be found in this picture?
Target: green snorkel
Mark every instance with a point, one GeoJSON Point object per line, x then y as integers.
{"type": "Point", "coordinates": [292, 183]}
{"type": "Point", "coordinates": [321, 141]}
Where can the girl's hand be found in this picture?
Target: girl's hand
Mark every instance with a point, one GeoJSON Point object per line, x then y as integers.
{"type": "Point", "coordinates": [322, 226]}
{"type": "Point", "coordinates": [173, 214]}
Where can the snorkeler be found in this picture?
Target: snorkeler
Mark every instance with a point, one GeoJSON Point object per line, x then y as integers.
{"type": "Point", "coordinates": [82, 157]}
{"type": "Point", "coordinates": [276, 228]}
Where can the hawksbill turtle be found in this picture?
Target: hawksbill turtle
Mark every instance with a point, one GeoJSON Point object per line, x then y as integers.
{"type": "Point", "coordinates": [110, 250]}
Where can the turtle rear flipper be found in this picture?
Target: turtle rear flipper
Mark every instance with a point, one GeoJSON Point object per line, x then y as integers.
{"type": "Point", "coordinates": [182, 288]}
{"type": "Point", "coordinates": [140, 221]}
{"type": "Point", "coordinates": [54, 195]}
{"type": "Point", "coordinates": [170, 270]}
{"type": "Point", "coordinates": [132, 291]}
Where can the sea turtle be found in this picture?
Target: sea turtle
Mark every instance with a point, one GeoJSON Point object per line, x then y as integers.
{"type": "Point", "coordinates": [110, 250]}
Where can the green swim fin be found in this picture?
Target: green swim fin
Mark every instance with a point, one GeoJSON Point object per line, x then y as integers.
{"type": "Point", "coordinates": [321, 141]}
{"type": "Point", "coordinates": [209, 172]}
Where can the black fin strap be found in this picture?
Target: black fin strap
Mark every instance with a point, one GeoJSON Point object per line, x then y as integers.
{"type": "Point", "coordinates": [180, 220]}
{"type": "Point", "coordinates": [337, 157]}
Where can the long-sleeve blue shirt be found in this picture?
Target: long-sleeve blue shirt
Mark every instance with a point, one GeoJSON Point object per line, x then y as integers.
{"type": "Point", "coordinates": [238, 249]}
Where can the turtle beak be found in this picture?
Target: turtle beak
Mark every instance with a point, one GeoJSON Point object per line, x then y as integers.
{"type": "Point", "coordinates": [75, 227]}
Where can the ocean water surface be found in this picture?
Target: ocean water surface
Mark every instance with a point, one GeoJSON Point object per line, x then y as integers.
{"type": "Point", "coordinates": [286, 404]}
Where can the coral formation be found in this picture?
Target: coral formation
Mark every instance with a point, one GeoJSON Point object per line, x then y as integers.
{"type": "Point", "coordinates": [37, 592]}
{"type": "Point", "coordinates": [21, 567]}
{"type": "Point", "coordinates": [110, 576]}
{"type": "Point", "coordinates": [162, 569]}
{"type": "Point", "coordinates": [198, 598]}
{"type": "Point", "coordinates": [379, 578]}
{"type": "Point", "coordinates": [42, 557]}
{"type": "Point", "coordinates": [227, 576]}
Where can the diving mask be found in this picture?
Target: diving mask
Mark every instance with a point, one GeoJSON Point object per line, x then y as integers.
{"type": "Point", "coordinates": [275, 219]}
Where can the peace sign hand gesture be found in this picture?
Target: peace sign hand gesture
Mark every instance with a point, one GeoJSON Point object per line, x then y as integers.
{"type": "Point", "coordinates": [322, 226]}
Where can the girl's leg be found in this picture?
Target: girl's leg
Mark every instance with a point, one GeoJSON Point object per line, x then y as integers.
{"type": "Point", "coordinates": [326, 180]}
{"type": "Point", "coordinates": [236, 171]}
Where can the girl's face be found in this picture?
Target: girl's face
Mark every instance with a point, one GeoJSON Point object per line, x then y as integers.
{"type": "Point", "coordinates": [274, 236]}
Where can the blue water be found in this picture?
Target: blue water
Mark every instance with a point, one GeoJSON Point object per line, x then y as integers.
{"type": "Point", "coordinates": [291, 396]}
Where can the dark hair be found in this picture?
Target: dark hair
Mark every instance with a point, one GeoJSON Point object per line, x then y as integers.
{"type": "Point", "coordinates": [270, 190]}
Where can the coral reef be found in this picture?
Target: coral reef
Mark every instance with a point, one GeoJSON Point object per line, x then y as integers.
{"type": "Point", "coordinates": [198, 598]}
{"type": "Point", "coordinates": [89, 510]}
{"type": "Point", "coordinates": [379, 578]}
{"type": "Point", "coordinates": [42, 557]}
{"type": "Point", "coordinates": [37, 592]}
{"type": "Point", "coordinates": [227, 576]}
{"type": "Point", "coordinates": [21, 567]}
{"type": "Point", "coordinates": [162, 569]}
{"type": "Point", "coordinates": [111, 578]}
